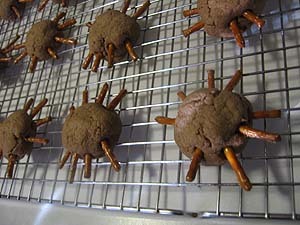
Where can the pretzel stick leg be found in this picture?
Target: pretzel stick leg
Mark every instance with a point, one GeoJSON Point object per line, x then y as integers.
{"type": "Point", "coordinates": [197, 155]}
{"type": "Point", "coordinates": [237, 168]}
{"type": "Point", "coordinates": [193, 29]}
{"type": "Point", "coordinates": [165, 120]}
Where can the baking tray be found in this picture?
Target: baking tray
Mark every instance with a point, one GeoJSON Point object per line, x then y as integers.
{"type": "Point", "coordinates": [152, 178]}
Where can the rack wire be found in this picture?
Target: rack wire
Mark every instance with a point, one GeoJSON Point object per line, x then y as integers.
{"type": "Point", "coordinates": [152, 178]}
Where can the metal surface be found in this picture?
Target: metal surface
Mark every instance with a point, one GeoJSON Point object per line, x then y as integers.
{"type": "Point", "coordinates": [152, 176]}
{"type": "Point", "coordinates": [48, 214]}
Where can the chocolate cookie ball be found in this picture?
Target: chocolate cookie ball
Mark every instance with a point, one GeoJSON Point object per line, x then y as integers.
{"type": "Point", "coordinates": [112, 36]}
{"type": "Point", "coordinates": [112, 27]}
{"type": "Point", "coordinates": [224, 18]}
{"type": "Point", "coordinates": [217, 15]}
{"type": "Point", "coordinates": [209, 120]}
{"type": "Point", "coordinates": [87, 126]}
{"type": "Point", "coordinates": [41, 37]}
{"type": "Point", "coordinates": [91, 131]}
{"type": "Point", "coordinates": [43, 40]}
{"type": "Point", "coordinates": [12, 132]}
{"type": "Point", "coordinates": [17, 134]}
{"type": "Point", "coordinates": [212, 126]}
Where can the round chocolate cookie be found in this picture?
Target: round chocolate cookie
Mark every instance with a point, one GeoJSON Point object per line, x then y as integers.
{"type": "Point", "coordinates": [112, 36]}
{"type": "Point", "coordinates": [13, 131]}
{"type": "Point", "coordinates": [212, 126]}
{"type": "Point", "coordinates": [17, 134]}
{"type": "Point", "coordinates": [209, 120]}
{"type": "Point", "coordinates": [217, 15]}
{"type": "Point", "coordinates": [10, 9]}
{"type": "Point", "coordinates": [41, 37]}
{"type": "Point", "coordinates": [113, 27]}
{"type": "Point", "coordinates": [92, 131]}
{"type": "Point", "coordinates": [87, 126]}
{"type": "Point", "coordinates": [224, 18]}
{"type": "Point", "coordinates": [43, 40]}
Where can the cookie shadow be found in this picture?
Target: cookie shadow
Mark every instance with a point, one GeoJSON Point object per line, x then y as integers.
{"type": "Point", "coordinates": [135, 135]}
{"type": "Point", "coordinates": [46, 157]}
{"type": "Point", "coordinates": [142, 47]}
{"type": "Point", "coordinates": [275, 22]}
{"type": "Point", "coordinates": [10, 75]}
{"type": "Point", "coordinates": [260, 156]}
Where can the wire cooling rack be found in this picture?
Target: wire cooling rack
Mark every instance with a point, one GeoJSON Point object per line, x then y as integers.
{"type": "Point", "coordinates": [152, 177]}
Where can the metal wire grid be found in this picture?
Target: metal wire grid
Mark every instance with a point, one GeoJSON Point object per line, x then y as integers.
{"type": "Point", "coordinates": [152, 178]}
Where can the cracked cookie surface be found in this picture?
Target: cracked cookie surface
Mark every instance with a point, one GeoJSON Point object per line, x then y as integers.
{"type": "Point", "coordinates": [217, 14]}
{"type": "Point", "coordinates": [209, 119]}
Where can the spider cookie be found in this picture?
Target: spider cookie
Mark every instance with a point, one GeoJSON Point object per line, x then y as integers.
{"type": "Point", "coordinates": [91, 131]}
{"type": "Point", "coordinates": [113, 35]}
{"type": "Point", "coordinates": [212, 126]}
{"type": "Point", "coordinates": [224, 18]}
{"type": "Point", "coordinates": [18, 133]}
{"type": "Point", "coordinates": [43, 39]}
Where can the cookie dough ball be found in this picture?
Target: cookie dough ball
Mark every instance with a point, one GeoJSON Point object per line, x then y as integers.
{"type": "Point", "coordinates": [41, 37]}
{"type": "Point", "coordinates": [217, 15]}
{"type": "Point", "coordinates": [113, 27]}
{"type": "Point", "coordinates": [6, 12]}
{"type": "Point", "coordinates": [12, 132]}
{"type": "Point", "coordinates": [209, 120]}
{"type": "Point", "coordinates": [87, 126]}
